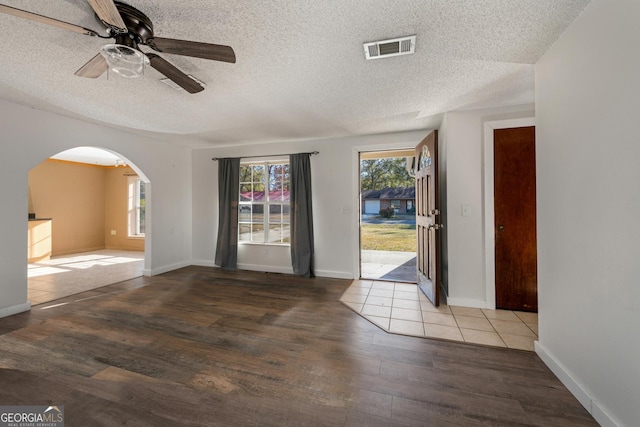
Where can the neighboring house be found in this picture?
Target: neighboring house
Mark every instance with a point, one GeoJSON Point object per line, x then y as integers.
{"type": "Point", "coordinates": [402, 199]}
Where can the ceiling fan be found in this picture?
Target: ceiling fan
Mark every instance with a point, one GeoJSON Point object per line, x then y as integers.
{"type": "Point", "coordinates": [131, 29]}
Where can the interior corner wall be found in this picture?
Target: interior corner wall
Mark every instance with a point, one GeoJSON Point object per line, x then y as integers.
{"type": "Point", "coordinates": [30, 136]}
{"type": "Point", "coordinates": [72, 194]}
{"type": "Point", "coordinates": [462, 140]}
{"type": "Point", "coordinates": [335, 202]}
{"type": "Point", "coordinates": [588, 148]}
{"type": "Point", "coordinates": [588, 142]}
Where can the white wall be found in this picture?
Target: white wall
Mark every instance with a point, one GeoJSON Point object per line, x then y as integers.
{"type": "Point", "coordinates": [588, 149]}
{"type": "Point", "coordinates": [335, 202]}
{"type": "Point", "coordinates": [30, 136]}
{"type": "Point", "coordinates": [462, 141]}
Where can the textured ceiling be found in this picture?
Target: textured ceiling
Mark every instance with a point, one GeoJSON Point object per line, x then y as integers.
{"type": "Point", "coordinates": [300, 71]}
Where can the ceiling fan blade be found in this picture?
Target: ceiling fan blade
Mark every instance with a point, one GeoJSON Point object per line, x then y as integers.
{"type": "Point", "coordinates": [174, 74]}
{"type": "Point", "coordinates": [94, 68]}
{"type": "Point", "coordinates": [46, 20]}
{"type": "Point", "coordinates": [215, 52]}
{"type": "Point", "coordinates": [108, 13]}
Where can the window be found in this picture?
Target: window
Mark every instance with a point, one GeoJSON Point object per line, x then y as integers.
{"type": "Point", "coordinates": [411, 208]}
{"type": "Point", "coordinates": [395, 204]}
{"type": "Point", "coordinates": [136, 207]}
{"type": "Point", "coordinates": [263, 215]}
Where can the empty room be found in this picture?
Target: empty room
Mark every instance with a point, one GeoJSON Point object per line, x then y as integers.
{"type": "Point", "coordinates": [236, 132]}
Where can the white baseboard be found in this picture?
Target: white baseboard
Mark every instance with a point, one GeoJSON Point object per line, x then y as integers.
{"type": "Point", "coordinates": [266, 268]}
{"type": "Point", "coordinates": [578, 391]}
{"type": "Point", "coordinates": [166, 268]}
{"type": "Point", "coordinates": [271, 269]}
{"type": "Point", "coordinates": [276, 269]}
{"type": "Point", "coordinates": [15, 309]}
{"type": "Point", "coordinates": [466, 302]}
{"type": "Point", "coordinates": [334, 274]}
{"type": "Point", "coordinates": [289, 270]}
{"type": "Point", "coordinates": [203, 263]}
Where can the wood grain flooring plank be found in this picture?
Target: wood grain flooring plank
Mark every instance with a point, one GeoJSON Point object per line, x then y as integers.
{"type": "Point", "coordinates": [201, 346]}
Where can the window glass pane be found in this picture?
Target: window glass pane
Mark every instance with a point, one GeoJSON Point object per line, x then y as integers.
{"type": "Point", "coordinates": [244, 213]}
{"type": "Point", "coordinates": [258, 212]}
{"type": "Point", "coordinates": [285, 214]}
{"type": "Point", "coordinates": [258, 173]}
{"type": "Point", "coordinates": [245, 192]}
{"type": "Point", "coordinates": [279, 233]}
{"type": "Point", "coordinates": [142, 208]}
{"type": "Point", "coordinates": [136, 207]}
{"type": "Point", "coordinates": [245, 174]}
{"type": "Point", "coordinates": [257, 233]}
{"type": "Point", "coordinates": [275, 233]}
{"type": "Point", "coordinates": [285, 191]}
{"type": "Point", "coordinates": [275, 181]}
{"type": "Point", "coordinates": [244, 234]}
{"type": "Point", "coordinates": [275, 214]}
{"type": "Point", "coordinates": [275, 195]}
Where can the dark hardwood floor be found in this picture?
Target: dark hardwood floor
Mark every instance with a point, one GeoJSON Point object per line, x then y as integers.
{"type": "Point", "coordinates": [202, 346]}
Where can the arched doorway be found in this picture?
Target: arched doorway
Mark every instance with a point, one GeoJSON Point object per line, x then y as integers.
{"type": "Point", "coordinates": [87, 223]}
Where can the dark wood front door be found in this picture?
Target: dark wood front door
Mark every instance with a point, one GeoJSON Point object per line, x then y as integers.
{"type": "Point", "coordinates": [515, 219]}
{"type": "Point", "coordinates": [427, 216]}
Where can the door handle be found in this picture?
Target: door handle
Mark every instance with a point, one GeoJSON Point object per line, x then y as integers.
{"type": "Point", "coordinates": [435, 226]}
{"type": "Point", "coordinates": [500, 227]}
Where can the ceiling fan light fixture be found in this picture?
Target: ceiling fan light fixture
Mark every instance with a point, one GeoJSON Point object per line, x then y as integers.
{"type": "Point", "coordinates": [124, 60]}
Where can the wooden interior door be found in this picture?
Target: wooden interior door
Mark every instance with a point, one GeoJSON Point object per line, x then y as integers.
{"type": "Point", "coordinates": [426, 217]}
{"type": "Point", "coordinates": [515, 219]}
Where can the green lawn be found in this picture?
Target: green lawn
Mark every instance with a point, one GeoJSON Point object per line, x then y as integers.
{"type": "Point", "coordinates": [388, 237]}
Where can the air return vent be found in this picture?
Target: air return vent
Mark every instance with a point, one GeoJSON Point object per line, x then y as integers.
{"type": "Point", "coordinates": [175, 86]}
{"type": "Point", "coordinates": [392, 47]}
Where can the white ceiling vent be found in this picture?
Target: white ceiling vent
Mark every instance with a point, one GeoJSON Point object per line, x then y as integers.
{"type": "Point", "coordinates": [392, 47]}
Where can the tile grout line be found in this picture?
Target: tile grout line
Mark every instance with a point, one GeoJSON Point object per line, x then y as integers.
{"type": "Point", "coordinates": [496, 331]}
{"type": "Point", "coordinates": [424, 327]}
{"type": "Point", "coordinates": [420, 304]}
{"type": "Point", "coordinates": [393, 295]}
{"type": "Point", "coordinates": [458, 325]}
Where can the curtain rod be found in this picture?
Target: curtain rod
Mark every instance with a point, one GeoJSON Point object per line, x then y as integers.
{"type": "Point", "coordinates": [312, 153]}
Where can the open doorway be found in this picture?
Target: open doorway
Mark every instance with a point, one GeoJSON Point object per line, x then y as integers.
{"type": "Point", "coordinates": [87, 223]}
{"type": "Point", "coordinates": [387, 216]}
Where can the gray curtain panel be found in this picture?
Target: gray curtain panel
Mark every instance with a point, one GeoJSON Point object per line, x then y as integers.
{"type": "Point", "coordinates": [228, 193]}
{"type": "Point", "coordinates": [301, 215]}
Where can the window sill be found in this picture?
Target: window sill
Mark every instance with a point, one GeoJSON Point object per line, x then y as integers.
{"type": "Point", "coordinates": [283, 245]}
{"type": "Point", "coordinates": [135, 237]}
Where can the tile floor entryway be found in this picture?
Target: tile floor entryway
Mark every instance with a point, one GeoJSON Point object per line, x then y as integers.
{"type": "Point", "coordinates": [400, 308]}
{"type": "Point", "coordinates": [67, 275]}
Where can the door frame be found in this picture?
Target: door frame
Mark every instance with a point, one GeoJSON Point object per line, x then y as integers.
{"type": "Point", "coordinates": [406, 141]}
{"type": "Point", "coordinates": [488, 201]}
